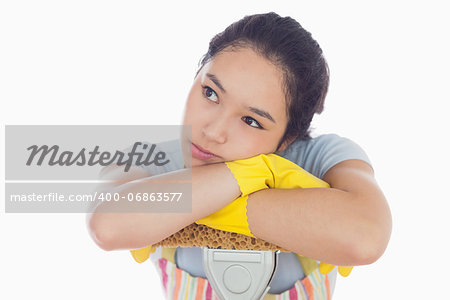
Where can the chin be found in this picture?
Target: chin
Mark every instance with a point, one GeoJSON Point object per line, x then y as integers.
{"type": "Point", "coordinates": [198, 162]}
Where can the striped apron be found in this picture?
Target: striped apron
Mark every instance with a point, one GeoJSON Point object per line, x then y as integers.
{"type": "Point", "coordinates": [180, 285]}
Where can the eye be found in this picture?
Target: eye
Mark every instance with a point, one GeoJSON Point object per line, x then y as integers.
{"type": "Point", "coordinates": [209, 93]}
{"type": "Point", "coordinates": [250, 121]}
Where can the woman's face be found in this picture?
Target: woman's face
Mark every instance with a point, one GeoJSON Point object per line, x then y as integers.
{"type": "Point", "coordinates": [236, 108]}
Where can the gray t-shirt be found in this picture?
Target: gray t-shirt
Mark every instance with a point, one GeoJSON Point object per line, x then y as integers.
{"type": "Point", "coordinates": [316, 155]}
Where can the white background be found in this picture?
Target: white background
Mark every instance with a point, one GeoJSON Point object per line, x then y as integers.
{"type": "Point", "coordinates": [132, 62]}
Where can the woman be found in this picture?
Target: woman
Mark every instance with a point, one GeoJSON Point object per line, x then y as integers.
{"type": "Point", "coordinates": [256, 91]}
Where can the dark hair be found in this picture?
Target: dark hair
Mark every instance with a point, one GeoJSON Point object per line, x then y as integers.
{"type": "Point", "coordinates": [285, 43]}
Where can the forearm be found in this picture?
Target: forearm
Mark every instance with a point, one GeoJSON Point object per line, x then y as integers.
{"type": "Point", "coordinates": [213, 187]}
{"type": "Point", "coordinates": [327, 224]}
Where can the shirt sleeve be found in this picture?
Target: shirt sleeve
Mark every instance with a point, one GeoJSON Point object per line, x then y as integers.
{"type": "Point", "coordinates": [170, 149]}
{"type": "Point", "coordinates": [318, 155]}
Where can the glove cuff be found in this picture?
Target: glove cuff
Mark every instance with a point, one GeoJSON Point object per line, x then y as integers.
{"type": "Point", "coordinates": [232, 217]}
{"type": "Point", "coordinates": [252, 174]}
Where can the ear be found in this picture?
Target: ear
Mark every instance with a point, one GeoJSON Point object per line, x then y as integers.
{"type": "Point", "coordinates": [285, 144]}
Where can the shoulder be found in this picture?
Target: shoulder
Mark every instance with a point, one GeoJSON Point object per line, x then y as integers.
{"type": "Point", "coordinates": [323, 141]}
{"type": "Point", "coordinates": [318, 154]}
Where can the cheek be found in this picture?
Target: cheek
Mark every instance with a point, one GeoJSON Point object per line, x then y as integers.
{"type": "Point", "coordinates": [191, 110]}
{"type": "Point", "coordinates": [248, 145]}
{"type": "Point", "coordinates": [258, 145]}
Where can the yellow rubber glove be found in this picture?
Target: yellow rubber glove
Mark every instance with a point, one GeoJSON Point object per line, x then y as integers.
{"type": "Point", "coordinates": [325, 268]}
{"type": "Point", "coordinates": [142, 254]}
{"type": "Point", "coordinates": [254, 174]}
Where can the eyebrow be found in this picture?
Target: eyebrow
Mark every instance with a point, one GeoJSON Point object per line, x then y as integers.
{"type": "Point", "coordinates": [255, 110]}
{"type": "Point", "coordinates": [261, 113]}
{"type": "Point", "coordinates": [216, 81]}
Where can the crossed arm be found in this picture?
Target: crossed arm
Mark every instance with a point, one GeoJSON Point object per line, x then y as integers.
{"type": "Point", "coordinates": [347, 224]}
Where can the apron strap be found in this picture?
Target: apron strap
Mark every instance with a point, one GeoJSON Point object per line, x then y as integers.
{"type": "Point", "coordinates": [168, 253]}
{"type": "Point", "coordinates": [308, 264]}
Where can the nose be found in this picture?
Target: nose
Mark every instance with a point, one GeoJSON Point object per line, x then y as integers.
{"type": "Point", "coordinates": [216, 129]}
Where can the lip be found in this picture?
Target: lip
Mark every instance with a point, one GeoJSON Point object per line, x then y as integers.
{"type": "Point", "coordinates": [201, 153]}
